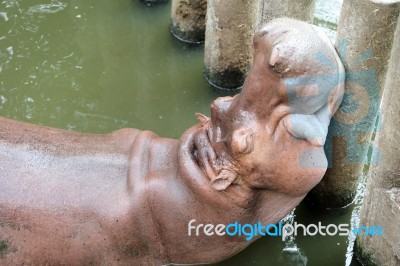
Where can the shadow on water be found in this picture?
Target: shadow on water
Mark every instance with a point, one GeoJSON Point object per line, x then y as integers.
{"type": "Point", "coordinates": [97, 66]}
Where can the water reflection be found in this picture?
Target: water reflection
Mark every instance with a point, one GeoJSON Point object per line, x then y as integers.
{"type": "Point", "coordinates": [294, 257]}
{"type": "Point", "coordinates": [51, 8]}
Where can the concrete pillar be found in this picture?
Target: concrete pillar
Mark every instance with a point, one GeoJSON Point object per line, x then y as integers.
{"type": "Point", "coordinates": [364, 40]}
{"type": "Point", "coordinates": [301, 10]}
{"type": "Point", "coordinates": [230, 26]}
{"type": "Point", "coordinates": [188, 20]}
{"type": "Point", "coordinates": [381, 204]}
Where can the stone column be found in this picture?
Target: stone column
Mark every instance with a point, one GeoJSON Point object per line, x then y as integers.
{"type": "Point", "coordinates": [230, 26]}
{"type": "Point", "coordinates": [301, 10]}
{"type": "Point", "coordinates": [188, 20]}
{"type": "Point", "coordinates": [364, 40]}
{"type": "Point", "coordinates": [381, 204]}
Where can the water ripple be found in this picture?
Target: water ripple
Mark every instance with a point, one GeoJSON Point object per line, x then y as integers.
{"type": "Point", "coordinates": [11, 3]}
{"type": "Point", "coordinates": [4, 16]}
{"type": "Point", "coordinates": [52, 8]}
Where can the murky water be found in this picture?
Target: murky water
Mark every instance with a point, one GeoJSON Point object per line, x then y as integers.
{"type": "Point", "coordinates": [99, 65]}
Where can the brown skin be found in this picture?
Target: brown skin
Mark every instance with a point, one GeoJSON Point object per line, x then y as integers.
{"type": "Point", "coordinates": [126, 198]}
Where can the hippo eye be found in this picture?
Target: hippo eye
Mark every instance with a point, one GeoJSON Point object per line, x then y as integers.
{"type": "Point", "coordinates": [242, 141]}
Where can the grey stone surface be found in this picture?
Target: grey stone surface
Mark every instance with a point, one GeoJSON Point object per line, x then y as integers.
{"type": "Point", "coordinates": [364, 41]}
{"type": "Point", "coordinates": [230, 26]}
{"type": "Point", "coordinates": [381, 204]}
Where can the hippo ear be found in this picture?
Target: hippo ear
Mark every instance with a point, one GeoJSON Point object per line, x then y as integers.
{"type": "Point", "coordinates": [203, 119]}
{"type": "Point", "coordinates": [223, 180]}
{"type": "Point", "coordinates": [274, 56]}
{"type": "Point", "coordinates": [279, 61]}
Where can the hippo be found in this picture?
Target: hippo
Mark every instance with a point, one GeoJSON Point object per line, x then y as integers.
{"type": "Point", "coordinates": [130, 197]}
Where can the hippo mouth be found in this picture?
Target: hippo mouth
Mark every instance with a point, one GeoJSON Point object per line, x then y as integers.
{"type": "Point", "coordinates": [188, 165]}
{"type": "Point", "coordinates": [196, 156]}
{"type": "Point", "coordinates": [204, 153]}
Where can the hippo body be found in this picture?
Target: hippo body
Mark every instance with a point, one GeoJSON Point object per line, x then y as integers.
{"type": "Point", "coordinates": [126, 198]}
{"type": "Point", "coordinates": [120, 198]}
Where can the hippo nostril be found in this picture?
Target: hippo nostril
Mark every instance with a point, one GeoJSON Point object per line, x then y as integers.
{"type": "Point", "coordinates": [221, 104]}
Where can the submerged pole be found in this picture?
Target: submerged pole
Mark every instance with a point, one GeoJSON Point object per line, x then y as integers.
{"type": "Point", "coordinates": [364, 40]}
{"type": "Point", "coordinates": [230, 26]}
{"type": "Point", "coordinates": [381, 204]}
{"type": "Point", "coordinates": [188, 20]}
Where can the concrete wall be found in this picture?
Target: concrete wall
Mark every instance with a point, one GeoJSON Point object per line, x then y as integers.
{"type": "Point", "coordinates": [364, 40]}
{"type": "Point", "coordinates": [381, 204]}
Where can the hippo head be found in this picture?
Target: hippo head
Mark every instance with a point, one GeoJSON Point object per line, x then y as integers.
{"type": "Point", "coordinates": [270, 136]}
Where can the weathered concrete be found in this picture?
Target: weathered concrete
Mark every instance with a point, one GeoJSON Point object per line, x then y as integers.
{"type": "Point", "coordinates": [301, 10]}
{"type": "Point", "coordinates": [188, 20]}
{"type": "Point", "coordinates": [364, 40]}
{"type": "Point", "coordinates": [381, 204]}
{"type": "Point", "coordinates": [230, 28]}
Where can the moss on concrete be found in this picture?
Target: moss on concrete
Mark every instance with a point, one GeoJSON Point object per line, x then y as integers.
{"type": "Point", "coordinates": [188, 20]}
{"type": "Point", "coordinates": [363, 256]}
{"type": "Point", "coordinates": [3, 248]}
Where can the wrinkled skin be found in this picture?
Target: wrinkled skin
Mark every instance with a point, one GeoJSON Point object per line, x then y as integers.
{"type": "Point", "coordinates": [126, 198]}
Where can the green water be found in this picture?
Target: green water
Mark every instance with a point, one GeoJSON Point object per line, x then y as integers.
{"type": "Point", "coordinates": [97, 66]}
